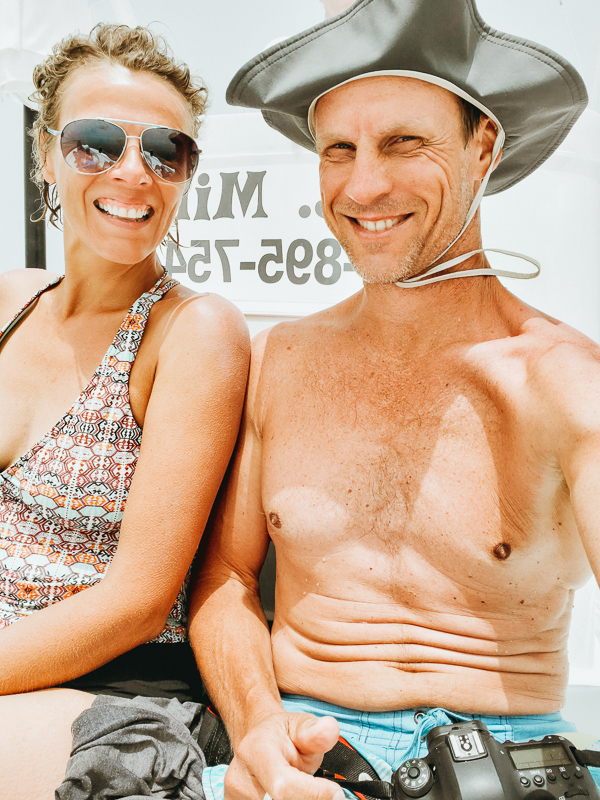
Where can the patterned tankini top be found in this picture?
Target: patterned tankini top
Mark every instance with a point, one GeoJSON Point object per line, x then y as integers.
{"type": "Point", "coordinates": [62, 502]}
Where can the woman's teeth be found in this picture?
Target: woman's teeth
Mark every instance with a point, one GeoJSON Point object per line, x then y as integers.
{"type": "Point", "coordinates": [380, 225]}
{"type": "Point", "coordinates": [125, 213]}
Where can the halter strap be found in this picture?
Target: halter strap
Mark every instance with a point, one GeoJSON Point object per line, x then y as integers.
{"type": "Point", "coordinates": [11, 324]}
{"type": "Point", "coordinates": [157, 291]}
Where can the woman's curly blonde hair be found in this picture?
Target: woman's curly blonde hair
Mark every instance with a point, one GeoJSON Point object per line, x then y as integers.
{"type": "Point", "coordinates": [138, 49]}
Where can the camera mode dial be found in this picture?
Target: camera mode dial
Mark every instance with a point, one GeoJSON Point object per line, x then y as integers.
{"type": "Point", "coordinates": [414, 777]}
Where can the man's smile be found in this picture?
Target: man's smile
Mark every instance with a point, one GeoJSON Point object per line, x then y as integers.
{"type": "Point", "coordinates": [380, 225]}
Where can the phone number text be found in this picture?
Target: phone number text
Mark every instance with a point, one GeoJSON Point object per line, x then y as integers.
{"type": "Point", "coordinates": [298, 263]}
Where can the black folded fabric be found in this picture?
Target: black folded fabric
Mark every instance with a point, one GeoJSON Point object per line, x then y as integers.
{"type": "Point", "coordinates": [150, 670]}
{"type": "Point", "coordinates": [135, 748]}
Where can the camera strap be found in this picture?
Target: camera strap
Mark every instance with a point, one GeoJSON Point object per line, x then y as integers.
{"type": "Point", "coordinates": [213, 739]}
{"type": "Point", "coordinates": [380, 790]}
{"type": "Point", "coordinates": [350, 770]}
{"type": "Point", "coordinates": [587, 758]}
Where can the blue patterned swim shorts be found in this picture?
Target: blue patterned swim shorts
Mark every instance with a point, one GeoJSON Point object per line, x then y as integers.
{"type": "Point", "coordinates": [388, 738]}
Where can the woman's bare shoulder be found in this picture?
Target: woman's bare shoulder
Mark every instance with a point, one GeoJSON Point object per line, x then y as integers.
{"type": "Point", "coordinates": [17, 286]}
{"type": "Point", "coordinates": [191, 317]}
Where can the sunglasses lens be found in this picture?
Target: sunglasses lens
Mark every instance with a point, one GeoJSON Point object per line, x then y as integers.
{"type": "Point", "coordinates": [91, 145]}
{"type": "Point", "coordinates": [171, 154]}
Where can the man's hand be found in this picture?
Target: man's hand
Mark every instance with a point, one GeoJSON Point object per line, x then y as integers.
{"type": "Point", "coordinates": [279, 756]}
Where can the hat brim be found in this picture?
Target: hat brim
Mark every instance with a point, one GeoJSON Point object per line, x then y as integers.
{"type": "Point", "coordinates": [535, 93]}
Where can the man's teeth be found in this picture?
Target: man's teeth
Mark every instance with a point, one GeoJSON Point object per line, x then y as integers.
{"type": "Point", "coordinates": [380, 225]}
{"type": "Point", "coordinates": [125, 213]}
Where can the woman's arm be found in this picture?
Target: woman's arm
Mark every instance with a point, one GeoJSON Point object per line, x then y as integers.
{"type": "Point", "coordinates": [190, 428]}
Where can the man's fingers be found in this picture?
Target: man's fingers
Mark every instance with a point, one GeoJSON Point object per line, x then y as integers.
{"type": "Point", "coordinates": [280, 781]}
{"type": "Point", "coordinates": [293, 784]}
{"type": "Point", "coordinates": [262, 763]}
{"type": "Point", "coordinates": [312, 735]}
{"type": "Point", "coordinates": [278, 758]}
{"type": "Point", "coordinates": [239, 785]}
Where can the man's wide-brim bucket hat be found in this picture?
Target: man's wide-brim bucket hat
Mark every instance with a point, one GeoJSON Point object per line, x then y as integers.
{"type": "Point", "coordinates": [534, 93]}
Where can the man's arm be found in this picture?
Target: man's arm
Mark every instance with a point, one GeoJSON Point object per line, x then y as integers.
{"type": "Point", "coordinates": [569, 378]}
{"type": "Point", "coordinates": [274, 750]}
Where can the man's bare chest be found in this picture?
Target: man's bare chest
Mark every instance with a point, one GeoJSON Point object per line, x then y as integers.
{"type": "Point", "coordinates": [442, 467]}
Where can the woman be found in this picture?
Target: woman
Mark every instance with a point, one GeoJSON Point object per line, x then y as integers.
{"type": "Point", "coordinates": [99, 525]}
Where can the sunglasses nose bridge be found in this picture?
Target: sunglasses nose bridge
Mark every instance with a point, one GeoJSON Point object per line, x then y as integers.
{"type": "Point", "coordinates": [124, 161]}
{"type": "Point", "coordinates": [138, 148]}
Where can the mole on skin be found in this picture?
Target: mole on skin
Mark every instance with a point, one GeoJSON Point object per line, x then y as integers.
{"type": "Point", "coordinates": [502, 550]}
{"type": "Point", "coordinates": [274, 519]}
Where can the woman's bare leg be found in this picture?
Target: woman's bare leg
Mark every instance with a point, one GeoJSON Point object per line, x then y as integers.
{"type": "Point", "coordinates": [35, 741]}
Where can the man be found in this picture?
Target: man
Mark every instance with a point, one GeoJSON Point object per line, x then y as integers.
{"type": "Point", "coordinates": [424, 455]}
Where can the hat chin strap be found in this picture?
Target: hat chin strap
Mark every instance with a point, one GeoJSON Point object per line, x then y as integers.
{"type": "Point", "coordinates": [426, 277]}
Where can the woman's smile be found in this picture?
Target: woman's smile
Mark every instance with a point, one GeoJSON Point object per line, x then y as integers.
{"type": "Point", "coordinates": [123, 211]}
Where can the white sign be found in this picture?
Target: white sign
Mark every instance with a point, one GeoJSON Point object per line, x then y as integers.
{"type": "Point", "coordinates": [251, 225]}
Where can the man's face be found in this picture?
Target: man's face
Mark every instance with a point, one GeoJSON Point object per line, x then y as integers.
{"type": "Point", "coordinates": [396, 177]}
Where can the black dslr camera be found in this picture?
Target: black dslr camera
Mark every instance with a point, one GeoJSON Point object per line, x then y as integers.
{"type": "Point", "coordinates": [465, 762]}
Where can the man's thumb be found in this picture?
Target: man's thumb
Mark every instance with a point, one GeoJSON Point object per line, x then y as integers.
{"type": "Point", "coordinates": [315, 735]}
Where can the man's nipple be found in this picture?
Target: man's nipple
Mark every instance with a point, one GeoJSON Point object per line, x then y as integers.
{"type": "Point", "coordinates": [274, 519]}
{"type": "Point", "coordinates": [502, 551]}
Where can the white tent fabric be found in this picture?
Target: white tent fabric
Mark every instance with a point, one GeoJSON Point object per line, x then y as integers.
{"type": "Point", "coordinates": [29, 28]}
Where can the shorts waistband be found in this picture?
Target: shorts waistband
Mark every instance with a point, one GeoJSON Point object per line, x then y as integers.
{"type": "Point", "coordinates": [409, 720]}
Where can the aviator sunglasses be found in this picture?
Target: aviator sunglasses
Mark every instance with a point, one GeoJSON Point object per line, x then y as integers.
{"type": "Point", "coordinates": [93, 146]}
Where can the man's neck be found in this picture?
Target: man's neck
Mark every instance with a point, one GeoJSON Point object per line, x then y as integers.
{"type": "Point", "coordinates": [461, 309]}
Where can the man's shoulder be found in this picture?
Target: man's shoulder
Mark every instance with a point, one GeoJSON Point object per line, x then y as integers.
{"type": "Point", "coordinates": [563, 376]}
{"type": "Point", "coordinates": [300, 337]}
{"type": "Point", "coordinates": [557, 347]}
{"type": "Point", "coordinates": [292, 347]}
